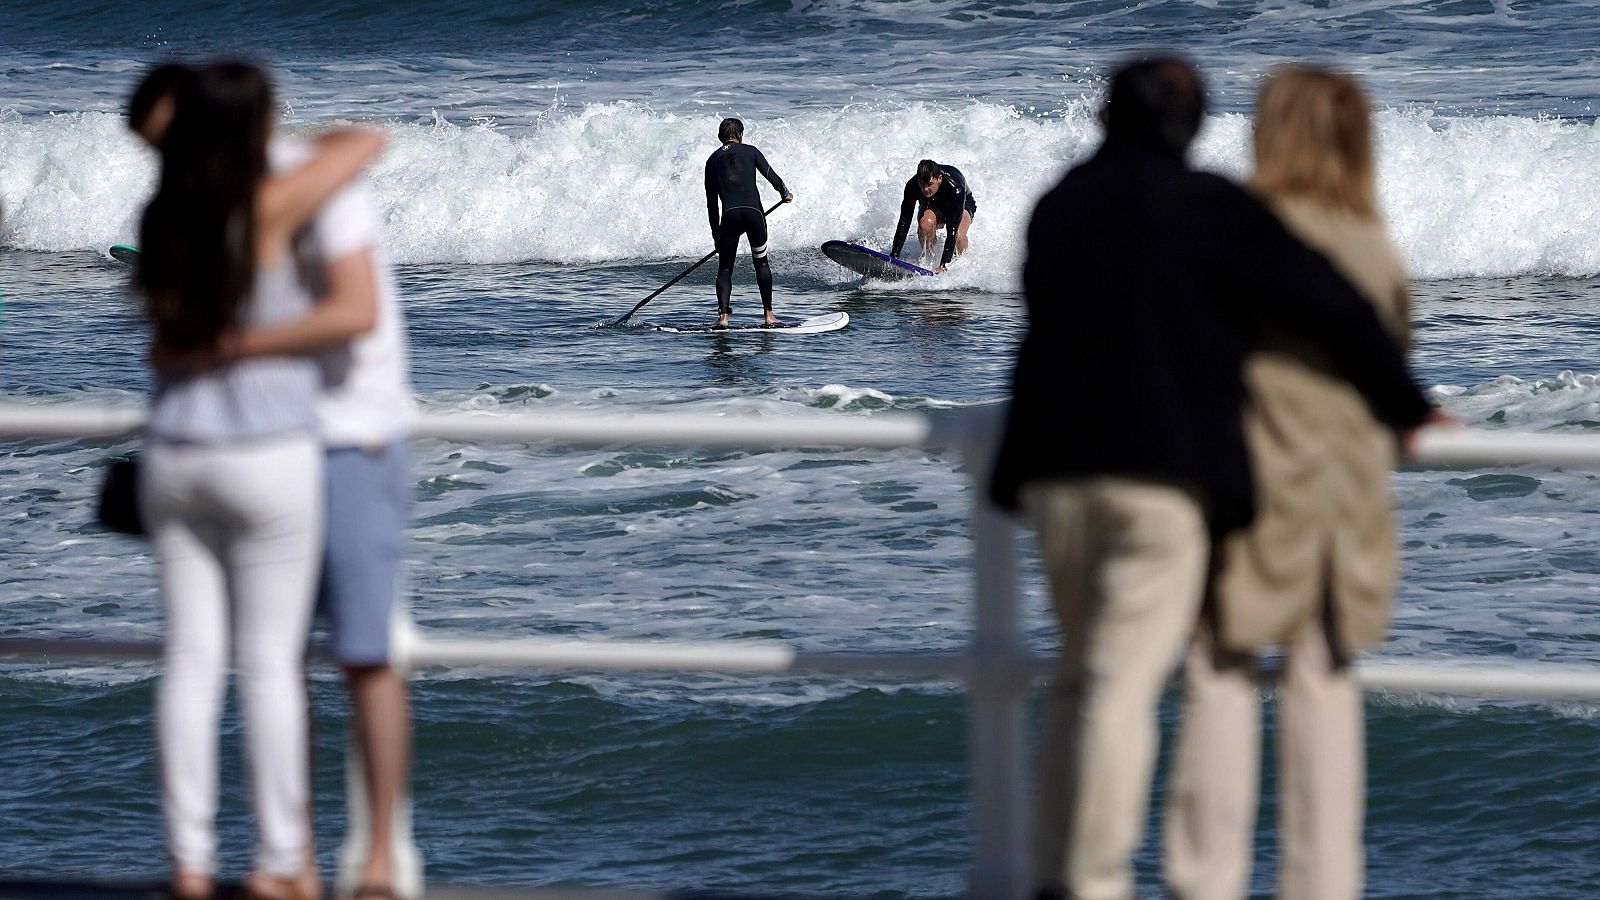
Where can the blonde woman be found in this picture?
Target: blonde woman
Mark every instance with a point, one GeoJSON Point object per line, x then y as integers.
{"type": "Point", "coordinates": [1315, 573]}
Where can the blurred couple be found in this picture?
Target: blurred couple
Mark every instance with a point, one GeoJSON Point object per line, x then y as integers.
{"type": "Point", "coordinates": [274, 469]}
{"type": "Point", "coordinates": [1224, 491]}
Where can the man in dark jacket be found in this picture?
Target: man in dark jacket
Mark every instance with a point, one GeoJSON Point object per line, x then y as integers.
{"type": "Point", "coordinates": [1144, 282]}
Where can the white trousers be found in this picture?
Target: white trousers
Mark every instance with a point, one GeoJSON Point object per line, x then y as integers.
{"type": "Point", "coordinates": [1126, 563]}
{"type": "Point", "coordinates": [1211, 807]}
{"type": "Point", "coordinates": [236, 531]}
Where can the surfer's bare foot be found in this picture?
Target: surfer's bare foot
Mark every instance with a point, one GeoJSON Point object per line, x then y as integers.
{"type": "Point", "coordinates": [722, 321]}
{"type": "Point", "coordinates": [771, 319]}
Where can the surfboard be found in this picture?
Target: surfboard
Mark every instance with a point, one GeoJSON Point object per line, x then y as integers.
{"type": "Point", "coordinates": [124, 253]}
{"type": "Point", "coordinates": [869, 262]}
{"type": "Point", "coordinates": [813, 325]}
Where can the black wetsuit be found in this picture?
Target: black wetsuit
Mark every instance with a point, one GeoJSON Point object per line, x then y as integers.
{"type": "Point", "coordinates": [731, 178]}
{"type": "Point", "coordinates": [952, 197]}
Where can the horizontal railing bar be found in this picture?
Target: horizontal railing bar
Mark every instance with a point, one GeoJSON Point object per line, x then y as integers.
{"type": "Point", "coordinates": [1488, 681]}
{"type": "Point", "coordinates": [69, 420]}
{"type": "Point", "coordinates": [883, 431]}
{"type": "Point", "coordinates": [544, 653]}
{"type": "Point", "coordinates": [1521, 681]}
{"type": "Point", "coordinates": [1463, 447]}
{"type": "Point", "coordinates": [1469, 447]}
{"type": "Point", "coordinates": [624, 656]}
{"type": "Point", "coordinates": [50, 649]}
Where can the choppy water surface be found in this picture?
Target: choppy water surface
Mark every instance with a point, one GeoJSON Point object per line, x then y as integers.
{"type": "Point", "coordinates": [544, 174]}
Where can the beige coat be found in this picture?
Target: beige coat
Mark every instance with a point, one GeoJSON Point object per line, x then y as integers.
{"type": "Point", "coordinates": [1324, 528]}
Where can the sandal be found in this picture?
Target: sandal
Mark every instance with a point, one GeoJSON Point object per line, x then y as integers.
{"type": "Point", "coordinates": [268, 887]}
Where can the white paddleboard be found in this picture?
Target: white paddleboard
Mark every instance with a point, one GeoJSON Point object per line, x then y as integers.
{"type": "Point", "coordinates": [813, 325]}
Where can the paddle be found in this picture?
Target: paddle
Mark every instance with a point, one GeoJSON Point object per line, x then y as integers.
{"type": "Point", "coordinates": [679, 277]}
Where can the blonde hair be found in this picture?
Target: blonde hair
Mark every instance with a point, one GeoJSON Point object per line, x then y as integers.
{"type": "Point", "coordinates": [1313, 141]}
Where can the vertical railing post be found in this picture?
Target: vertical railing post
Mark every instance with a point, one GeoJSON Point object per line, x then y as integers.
{"type": "Point", "coordinates": [998, 679]}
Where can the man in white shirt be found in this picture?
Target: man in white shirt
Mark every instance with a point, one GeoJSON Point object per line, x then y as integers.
{"type": "Point", "coordinates": [358, 333]}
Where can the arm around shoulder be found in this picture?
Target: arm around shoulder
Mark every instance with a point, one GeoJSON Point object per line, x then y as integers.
{"type": "Point", "coordinates": [290, 199]}
{"type": "Point", "coordinates": [1271, 274]}
{"type": "Point", "coordinates": [349, 310]}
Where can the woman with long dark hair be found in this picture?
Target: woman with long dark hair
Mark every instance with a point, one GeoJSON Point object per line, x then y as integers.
{"type": "Point", "coordinates": [231, 484]}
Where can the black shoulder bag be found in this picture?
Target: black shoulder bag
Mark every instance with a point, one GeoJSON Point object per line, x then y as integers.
{"type": "Point", "coordinates": [119, 496]}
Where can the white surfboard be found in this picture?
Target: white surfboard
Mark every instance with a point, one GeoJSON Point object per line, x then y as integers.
{"type": "Point", "coordinates": [814, 325]}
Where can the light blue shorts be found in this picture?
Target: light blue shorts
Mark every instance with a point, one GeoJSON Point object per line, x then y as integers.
{"type": "Point", "coordinates": [369, 498]}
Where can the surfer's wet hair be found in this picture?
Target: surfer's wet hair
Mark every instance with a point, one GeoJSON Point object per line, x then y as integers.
{"type": "Point", "coordinates": [730, 130]}
{"type": "Point", "coordinates": [197, 258]}
{"type": "Point", "coordinates": [1155, 103]}
{"type": "Point", "coordinates": [160, 83]}
{"type": "Point", "coordinates": [927, 171]}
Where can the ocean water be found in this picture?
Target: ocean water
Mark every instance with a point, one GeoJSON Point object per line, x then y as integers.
{"type": "Point", "coordinates": [543, 174]}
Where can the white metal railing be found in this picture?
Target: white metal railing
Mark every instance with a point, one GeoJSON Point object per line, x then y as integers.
{"type": "Point", "coordinates": [997, 667]}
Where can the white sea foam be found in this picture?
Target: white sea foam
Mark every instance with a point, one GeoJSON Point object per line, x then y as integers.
{"type": "Point", "coordinates": [70, 182]}
{"type": "Point", "coordinates": [1485, 196]}
{"type": "Point", "coordinates": [1527, 404]}
{"type": "Point", "coordinates": [784, 400]}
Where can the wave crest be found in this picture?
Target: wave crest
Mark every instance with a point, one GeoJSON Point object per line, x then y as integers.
{"type": "Point", "coordinates": [1471, 196]}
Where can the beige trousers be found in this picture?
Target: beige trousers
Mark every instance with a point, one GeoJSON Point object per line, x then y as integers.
{"type": "Point", "coordinates": [1126, 564]}
{"type": "Point", "coordinates": [1211, 806]}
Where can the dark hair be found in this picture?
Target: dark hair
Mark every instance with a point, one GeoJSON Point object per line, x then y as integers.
{"type": "Point", "coordinates": [730, 129]}
{"type": "Point", "coordinates": [197, 238]}
{"type": "Point", "coordinates": [1155, 103]}
{"type": "Point", "coordinates": [158, 84]}
{"type": "Point", "coordinates": [927, 171]}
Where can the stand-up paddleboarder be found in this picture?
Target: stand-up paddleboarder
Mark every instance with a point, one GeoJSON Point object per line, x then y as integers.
{"type": "Point", "coordinates": [731, 179]}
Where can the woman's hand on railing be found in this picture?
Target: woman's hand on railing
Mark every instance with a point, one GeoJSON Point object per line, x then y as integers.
{"type": "Point", "coordinates": [1436, 417]}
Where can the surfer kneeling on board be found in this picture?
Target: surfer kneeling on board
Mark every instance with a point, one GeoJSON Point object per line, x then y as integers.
{"type": "Point", "coordinates": [942, 197]}
{"type": "Point", "coordinates": [731, 179]}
